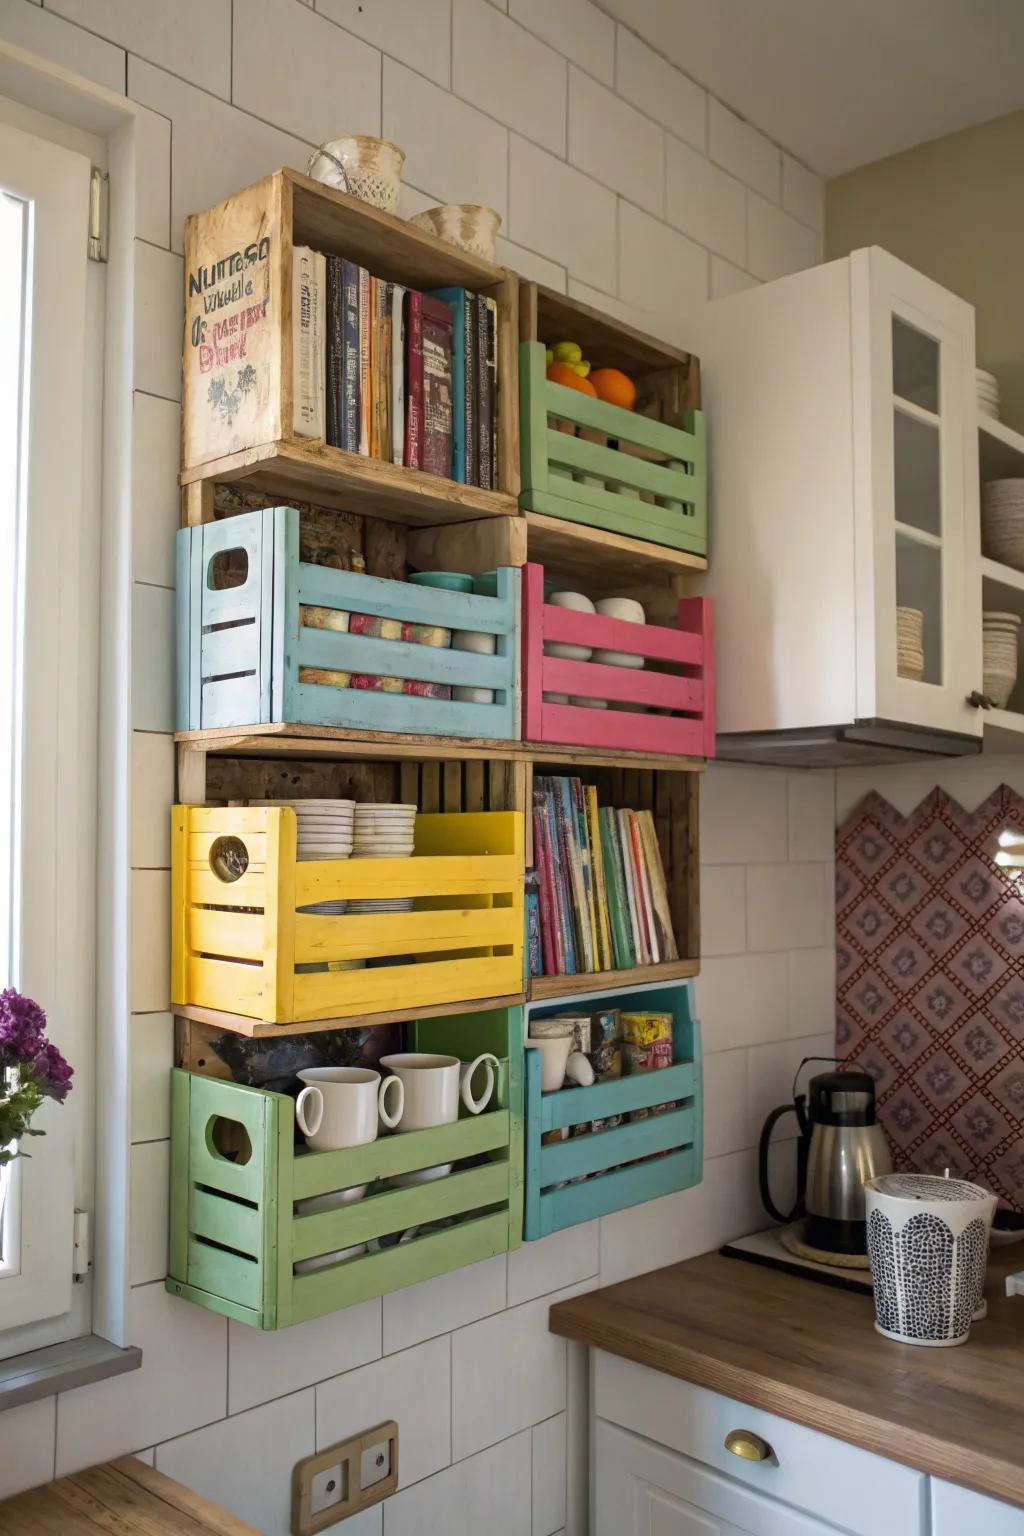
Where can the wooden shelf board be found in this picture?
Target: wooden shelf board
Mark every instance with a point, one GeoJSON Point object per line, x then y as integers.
{"type": "Point", "coordinates": [542, 987]}
{"type": "Point", "coordinates": [1000, 449]}
{"type": "Point", "coordinates": [606, 341]}
{"type": "Point", "coordinates": [604, 559]}
{"type": "Point", "coordinates": [305, 741]}
{"type": "Point", "coordinates": [240, 1024]}
{"type": "Point", "coordinates": [1003, 575]}
{"type": "Point", "coordinates": [349, 482]}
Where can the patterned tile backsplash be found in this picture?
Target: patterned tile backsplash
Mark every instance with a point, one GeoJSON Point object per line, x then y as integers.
{"type": "Point", "coordinates": [930, 982]}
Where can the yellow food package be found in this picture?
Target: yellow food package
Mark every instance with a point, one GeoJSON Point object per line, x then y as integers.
{"type": "Point", "coordinates": [646, 1028]}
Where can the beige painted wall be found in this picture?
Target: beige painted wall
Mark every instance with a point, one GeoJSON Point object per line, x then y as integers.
{"type": "Point", "coordinates": [953, 208]}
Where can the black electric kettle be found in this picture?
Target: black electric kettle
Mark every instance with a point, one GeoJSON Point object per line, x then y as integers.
{"type": "Point", "coordinates": [841, 1146]}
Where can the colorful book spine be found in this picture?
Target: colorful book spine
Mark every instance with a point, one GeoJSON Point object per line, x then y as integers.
{"type": "Point", "coordinates": [483, 398]}
{"type": "Point", "coordinates": [628, 946]}
{"type": "Point", "coordinates": [533, 929]}
{"type": "Point", "coordinates": [437, 387]}
{"type": "Point", "coordinates": [659, 887]}
{"type": "Point", "coordinates": [349, 426]}
{"type": "Point", "coordinates": [414, 380]}
{"type": "Point", "coordinates": [491, 417]}
{"type": "Point", "coordinates": [397, 373]}
{"type": "Point", "coordinates": [604, 941]}
{"type": "Point", "coordinates": [635, 924]}
{"type": "Point", "coordinates": [643, 891]}
{"type": "Point", "coordinates": [457, 300]}
{"type": "Point", "coordinates": [335, 352]}
{"type": "Point", "coordinates": [472, 364]}
{"type": "Point", "coordinates": [587, 860]}
{"type": "Point", "coordinates": [365, 393]}
{"type": "Point", "coordinates": [561, 868]}
{"type": "Point", "coordinates": [309, 349]}
{"type": "Point", "coordinates": [568, 831]}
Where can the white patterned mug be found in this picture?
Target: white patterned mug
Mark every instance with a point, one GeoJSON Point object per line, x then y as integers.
{"type": "Point", "coordinates": [434, 1085]}
{"type": "Point", "coordinates": [341, 1106]}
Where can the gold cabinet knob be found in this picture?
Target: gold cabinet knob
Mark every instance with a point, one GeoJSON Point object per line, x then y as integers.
{"type": "Point", "coordinates": [748, 1446]}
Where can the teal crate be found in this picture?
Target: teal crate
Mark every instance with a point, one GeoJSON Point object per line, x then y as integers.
{"type": "Point", "coordinates": [245, 657]}
{"type": "Point", "coordinates": [633, 1162]}
{"type": "Point", "coordinates": [591, 462]}
{"type": "Point", "coordinates": [237, 1171]}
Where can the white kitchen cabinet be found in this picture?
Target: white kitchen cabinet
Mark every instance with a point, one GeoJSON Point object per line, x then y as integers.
{"type": "Point", "coordinates": [810, 1483]}
{"type": "Point", "coordinates": [959, 1512]}
{"type": "Point", "coordinates": [641, 1489]}
{"type": "Point", "coordinates": [843, 476]}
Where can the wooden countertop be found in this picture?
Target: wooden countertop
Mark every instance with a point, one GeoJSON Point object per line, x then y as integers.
{"type": "Point", "coordinates": [125, 1497]}
{"type": "Point", "coordinates": [809, 1353]}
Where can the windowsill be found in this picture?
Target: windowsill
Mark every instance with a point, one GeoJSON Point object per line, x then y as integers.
{"type": "Point", "coordinates": [42, 1372]}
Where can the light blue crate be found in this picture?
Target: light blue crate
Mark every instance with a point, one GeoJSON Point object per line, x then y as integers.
{"type": "Point", "coordinates": [241, 649]}
{"type": "Point", "coordinates": [636, 1161]}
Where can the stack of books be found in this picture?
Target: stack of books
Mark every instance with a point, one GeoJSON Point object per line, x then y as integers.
{"type": "Point", "coordinates": [407, 377]}
{"type": "Point", "coordinates": [598, 899]}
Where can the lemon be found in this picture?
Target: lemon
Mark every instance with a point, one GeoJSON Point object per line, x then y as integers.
{"type": "Point", "coordinates": [568, 352]}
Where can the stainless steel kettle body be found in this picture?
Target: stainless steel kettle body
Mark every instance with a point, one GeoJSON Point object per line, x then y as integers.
{"type": "Point", "coordinates": [841, 1146]}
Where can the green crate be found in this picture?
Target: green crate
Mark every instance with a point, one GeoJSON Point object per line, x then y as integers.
{"type": "Point", "coordinates": [658, 494]}
{"type": "Point", "coordinates": [235, 1233]}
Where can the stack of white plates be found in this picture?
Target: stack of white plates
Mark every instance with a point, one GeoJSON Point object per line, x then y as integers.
{"type": "Point", "coordinates": [910, 643]}
{"type": "Point", "coordinates": [987, 386]}
{"type": "Point", "coordinates": [325, 831]}
{"type": "Point", "coordinates": [1001, 633]}
{"type": "Point", "coordinates": [1002, 522]}
{"type": "Point", "coordinates": [384, 832]}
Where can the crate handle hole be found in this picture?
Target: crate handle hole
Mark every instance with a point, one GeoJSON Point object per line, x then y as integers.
{"type": "Point", "coordinates": [228, 1140]}
{"type": "Point", "coordinates": [229, 859]}
{"type": "Point", "coordinates": [227, 568]}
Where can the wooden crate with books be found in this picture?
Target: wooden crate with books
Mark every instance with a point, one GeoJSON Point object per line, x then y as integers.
{"type": "Point", "coordinates": [338, 355]}
{"type": "Point", "coordinates": [612, 889]}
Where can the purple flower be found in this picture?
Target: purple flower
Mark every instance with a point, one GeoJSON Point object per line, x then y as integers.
{"type": "Point", "coordinates": [22, 1028]}
{"type": "Point", "coordinates": [52, 1073]}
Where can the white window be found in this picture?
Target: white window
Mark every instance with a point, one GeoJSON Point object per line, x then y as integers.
{"type": "Point", "coordinates": [49, 560]}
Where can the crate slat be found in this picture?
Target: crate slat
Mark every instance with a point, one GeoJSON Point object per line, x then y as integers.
{"type": "Point", "coordinates": [664, 1152]}
{"type": "Point", "coordinates": [238, 1259]}
{"type": "Point", "coordinates": [262, 670]}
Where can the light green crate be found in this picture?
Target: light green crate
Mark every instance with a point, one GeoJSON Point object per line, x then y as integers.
{"type": "Point", "coordinates": [235, 1235]}
{"type": "Point", "coordinates": [662, 499]}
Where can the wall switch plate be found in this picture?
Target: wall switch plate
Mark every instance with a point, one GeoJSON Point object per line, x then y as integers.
{"type": "Point", "coordinates": [344, 1478]}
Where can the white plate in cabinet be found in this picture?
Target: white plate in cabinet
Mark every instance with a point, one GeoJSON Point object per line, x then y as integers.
{"type": "Point", "coordinates": [959, 1512]}
{"type": "Point", "coordinates": [843, 475]}
{"type": "Point", "coordinates": [846, 1487]}
{"type": "Point", "coordinates": [641, 1489]}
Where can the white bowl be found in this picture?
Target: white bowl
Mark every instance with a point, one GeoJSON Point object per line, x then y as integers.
{"type": "Point", "coordinates": [617, 659]}
{"type": "Point", "coordinates": [474, 640]}
{"type": "Point", "coordinates": [625, 608]}
{"type": "Point", "coordinates": [556, 698]}
{"type": "Point", "coordinates": [464, 694]}
{"type": "Point", "coordinates": [576, 602]}
{"type": "Point", "coordinates": [330, 1202]}
{"type": "Point", "coordinates": [590, 703]}
{"type": "Point", "coordinates": [325, 1260]}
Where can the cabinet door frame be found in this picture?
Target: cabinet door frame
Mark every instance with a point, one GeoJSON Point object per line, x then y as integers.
{"type": "Point", "coordinates": [883, 287]}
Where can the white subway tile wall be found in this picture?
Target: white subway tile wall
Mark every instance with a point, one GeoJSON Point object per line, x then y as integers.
{"type": "Point", "coordinates": [591, 147]}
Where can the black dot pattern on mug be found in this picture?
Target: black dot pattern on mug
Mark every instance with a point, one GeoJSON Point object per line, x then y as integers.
{"type": "Point", "coordinates": [927, 1283]}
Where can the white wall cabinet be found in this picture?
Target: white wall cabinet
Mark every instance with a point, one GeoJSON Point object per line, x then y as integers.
{"type": "Point", "coordinates": [844, 485]}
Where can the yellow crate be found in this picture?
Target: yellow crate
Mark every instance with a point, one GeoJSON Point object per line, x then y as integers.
{"type": "Point", "coordinates": [240, 938]}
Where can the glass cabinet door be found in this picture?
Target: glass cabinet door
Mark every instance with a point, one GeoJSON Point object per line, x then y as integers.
{"type": "Point", "coordinates": [927, 635]}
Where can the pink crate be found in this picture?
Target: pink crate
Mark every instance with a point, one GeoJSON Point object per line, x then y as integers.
{"type": "Point", "coordinates": [689, 689]}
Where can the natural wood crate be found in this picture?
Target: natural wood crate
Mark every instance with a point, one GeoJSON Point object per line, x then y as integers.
{"type": "Point", "coordinates": [688, 689]}
{"type": "Point", "coordinates": [237, 367]}
{"type": "Point", "coordinates": [672, 797]}
{"type": "Point", "coordinates": [241, 943]}
{"type": "Point", "coordinates": [249, 654]}
{"type": "Point", "coordinates": [625, 1164]}
{"type": "Point", "coordinates": [591, 462]}
{"type": "Point", "coordinates": [235, 1232]}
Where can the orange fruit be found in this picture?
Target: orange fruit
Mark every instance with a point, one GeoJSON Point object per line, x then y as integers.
{"type": "Point", "coordinates": [561, 373]}
{"type": "Point", "coordinates": [612, 385]}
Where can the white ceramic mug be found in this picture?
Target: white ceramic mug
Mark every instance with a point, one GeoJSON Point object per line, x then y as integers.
{"type": "Point", "coordinates": [554, 1056]}
{"type": "Point", "coordinates": [341, 1106]}
{"type": "Point", "coordinates": [434, 1084]}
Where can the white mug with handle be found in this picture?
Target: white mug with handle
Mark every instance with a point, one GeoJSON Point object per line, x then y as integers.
{"type": "Point", "coordinates": [340, 1106]}
{"type": "Point", "coordinates": [434, 1084]}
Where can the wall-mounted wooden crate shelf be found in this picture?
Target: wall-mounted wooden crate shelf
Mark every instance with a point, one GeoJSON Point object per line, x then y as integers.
{"type": "Point", "coordinates": [679, 688]}
{"type": "Point", "coordinates": [239, 1236]}
{"type": "Point", "coordinates": [243, 943]}
{"type": "Point", "coordinates": [672, 797]}
{"type": "Point", "coordinates": [276, 640]}
{"type": "Point", "coordinates": [237, 398]}
{"type": "Point", "coordinates": [639, 473]}
{"type": "Point", "coordinates": [601, 1170]}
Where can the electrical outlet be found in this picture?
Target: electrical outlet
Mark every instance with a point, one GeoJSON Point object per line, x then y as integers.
{"type": "Point", "coordinates": [343, 1479]}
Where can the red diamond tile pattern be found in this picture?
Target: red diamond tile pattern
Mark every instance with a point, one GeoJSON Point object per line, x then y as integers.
{"type": "Point", "coordinates": [930, 988]}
